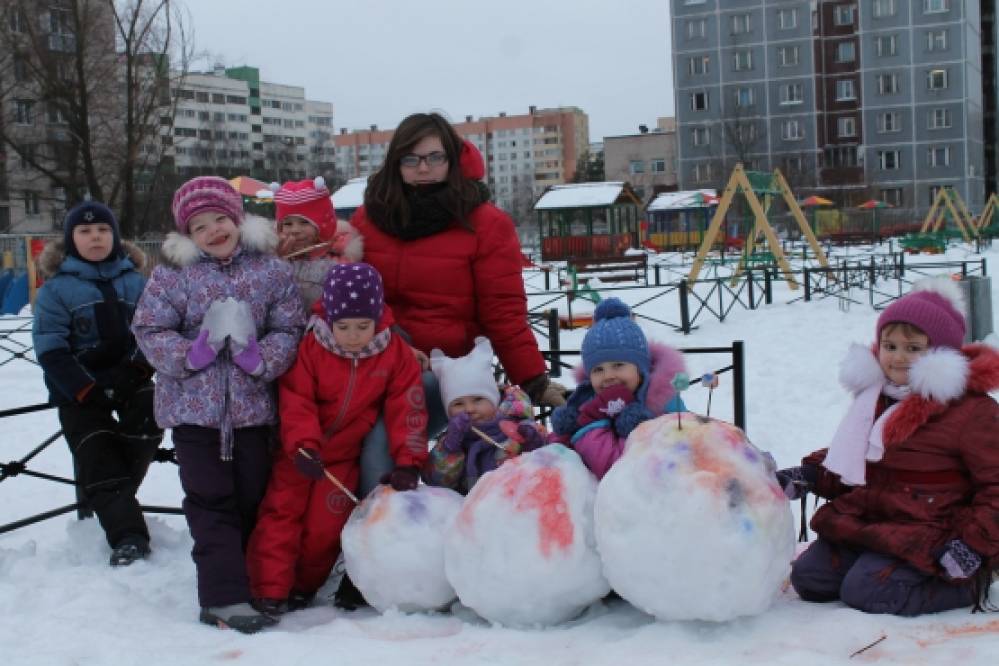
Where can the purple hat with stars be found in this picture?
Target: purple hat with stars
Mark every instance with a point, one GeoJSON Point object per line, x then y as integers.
{"type": "Point", "coordinates": [353, 291]}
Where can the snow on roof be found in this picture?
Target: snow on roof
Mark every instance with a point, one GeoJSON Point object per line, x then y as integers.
{"type": "Point", "coordinates": [685, 199]}
{"type": "Point", "coordinates": [350, 195]}
{"type": "Point", "coordinates": [580, 195]}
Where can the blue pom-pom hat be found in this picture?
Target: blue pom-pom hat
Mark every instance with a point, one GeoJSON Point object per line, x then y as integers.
{"type": "Point", "coordinates": [615, 337]}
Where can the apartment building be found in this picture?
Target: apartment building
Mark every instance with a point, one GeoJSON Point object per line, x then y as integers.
{"type": "Point", "coordinates": [646, 160]}
{"type": "Point", "coordinates": [524, 153]}
{"type": "Point", "coordinates": [888, 99]}
{"type": "Point", "coordinates": [229, 122]}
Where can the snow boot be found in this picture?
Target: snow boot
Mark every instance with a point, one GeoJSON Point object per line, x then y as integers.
{"type": "Point", "coordinates": [241, 617]}
{"type": "Point", "coordinates": [347, 596]}
{"type": "Point", "coordinates": [268, 606]}
{"type": "Point", "coordinates": [299, 600]}
{"type": "Point", "coordinates": [128, 550]}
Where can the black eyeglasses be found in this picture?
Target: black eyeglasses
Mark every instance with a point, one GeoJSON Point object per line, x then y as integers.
{"type": "Point", "coordinates": [434, 159]}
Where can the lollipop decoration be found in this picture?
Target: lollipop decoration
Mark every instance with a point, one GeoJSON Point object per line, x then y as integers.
{"type": "Point", "coordinates": [682, 381]}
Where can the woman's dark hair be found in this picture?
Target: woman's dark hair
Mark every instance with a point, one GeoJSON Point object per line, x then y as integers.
{"type": "Point", "coordinates": [385, 200]}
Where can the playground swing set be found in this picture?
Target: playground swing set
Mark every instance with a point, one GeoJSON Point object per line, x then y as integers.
{"type": "Point", "coordinates": [753, 185]}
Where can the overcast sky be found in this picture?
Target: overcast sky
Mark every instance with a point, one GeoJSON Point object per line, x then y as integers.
{"type": "Point", "coordinates": [380, 60]}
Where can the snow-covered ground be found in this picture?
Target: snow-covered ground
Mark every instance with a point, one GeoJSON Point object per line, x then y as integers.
{"type": "Point", "coordinates": [61, 603]}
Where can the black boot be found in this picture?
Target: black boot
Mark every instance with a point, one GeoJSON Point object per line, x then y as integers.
{"type": "Point", "coordinates": [241, 617]}
{"type": "Point", "coordinates": [347, 596]}
{"type": "Point", "coordinates": [128, 550]}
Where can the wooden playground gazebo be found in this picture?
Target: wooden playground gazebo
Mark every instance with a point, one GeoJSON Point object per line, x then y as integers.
{"type": "Point", "coordinates": [679, 219]}
{"type": "Point", "coordinates": [588, 220]}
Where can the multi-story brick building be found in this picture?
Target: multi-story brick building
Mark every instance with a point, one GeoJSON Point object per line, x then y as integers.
{"type": "Point", "coordinates": [646, 160]}
{"type": "Point", "coordinates": [882, 98]}
{"type": "Point", "coordinates": [229, 122]}
{"type": "Point", "coordinates": [524, 153]}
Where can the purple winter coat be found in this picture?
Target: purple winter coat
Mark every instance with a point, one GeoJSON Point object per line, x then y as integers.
{"type": "Point", "coordinates": [169, 314]}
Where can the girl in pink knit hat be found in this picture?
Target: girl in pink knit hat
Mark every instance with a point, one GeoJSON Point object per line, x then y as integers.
{"type": "Point", "coordinates": [311, 237]}
{"type": "Point", "coordinates": [912, 472]}
{"type": "Point", "coordinates": [220, 320]}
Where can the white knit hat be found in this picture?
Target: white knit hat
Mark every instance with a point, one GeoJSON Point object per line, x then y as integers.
{"type": "Point", "coordinates": [468, 375]}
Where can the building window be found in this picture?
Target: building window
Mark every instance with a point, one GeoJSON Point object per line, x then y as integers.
{"type": "Point", "coordinates": [846, 127]}
{"type": "Point", "coordinates": [201, 97]}
{"type": "Point", "coordinates": [24, 111]}
{"type": "Point", "coordinates": [742, 60]}
{"type": "Point", "coordinates": [791, 130]}
{"type": "Point", "coordinates": [791, 164]}
{"type": "Point", "coordinates": [218, 98]}
{"type": "Point", "coordinates": [841, 156]}
{"type": "Point", "coordinates": [934, 6]}
{"type": "Point", "coordinates": [657, 165]}
{"type": "Point", "coordinates": [888, 84]}
{"type": "Point", "coordinates": [891, 196]}
{"type": "Point", "coordinates": [845, 90]}
{"type": "Point", "coordinates": [846, 52]}
{"type": "Point", "coordinates": [936, 79]}
{"type": "Point", "coordinates": [888, 160]}
{"type": "Point", "coordinates": [787, 19]}
{"type": "Point", "coordinates": [699, 101]}
{"type": "Point", "coordinates": [884, 8]}
{"type": "Point", "coordinates": [938, 157]}
{"type": "Point", "coordinates": [890, 121]}
{"type": "Point", "coordinates": [744, 97]}
{"type": "Point", "coordinates": [702, 173]}
{"type": "Point", "coordinates": [636, 166]}
{"type": "Point", "coordinates": [17, 21]}
{"type": "Point", "coordinates": [886, 46]}
{"type": "Point", "coordinates": [787, 56]}
{"type": "Point", "coordinates": [700, 136]}
{"type": "Point", "coordinates": [843, 15]}
{"type": "Point", "coordinates": [741, 24]}
{"type": "Point", "coordinates": [31, 206]}
{"type": "Point", "coordinates": [936, 40]}
{"type": "Point", "coordinates": [696, 29]}
{"type": "Point", "coordinates": [939, 118]}
{"type": "Point", "coordinates": [792, 93]}
{"type": "Point", "coordinates": [54, 115]}
{"type": "Point", "coordinates": [699, 65]}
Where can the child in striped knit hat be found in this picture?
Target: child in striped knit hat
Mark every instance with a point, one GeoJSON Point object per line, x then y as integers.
{"type": "Point", "coordinates": [311, 237]}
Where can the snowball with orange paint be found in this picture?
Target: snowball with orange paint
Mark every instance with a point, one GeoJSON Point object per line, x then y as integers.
{"type": "Point", "coordinates": [393, 547]}
{"type": "Point", "coordinates": [521, 551]}
{"type": "Point", "coordinates": [691, 524]}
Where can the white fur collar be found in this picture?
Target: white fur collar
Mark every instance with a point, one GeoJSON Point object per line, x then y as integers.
{"type": "Point", "coordinates": [256, 234]}
{"type": "Point", "coordinates": [940, 375]}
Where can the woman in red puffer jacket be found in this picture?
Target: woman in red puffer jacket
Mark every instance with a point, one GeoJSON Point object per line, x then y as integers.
{"type": "Point", "coordinates": [451, 263]}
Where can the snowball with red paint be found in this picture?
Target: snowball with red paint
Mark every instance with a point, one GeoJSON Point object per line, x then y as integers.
{"type": "Point", "coordinates": [393, 547]}
{"type": "Point", "coordinates": [691, 524]}
{"type": "Point", "coordinates": [521, 551]}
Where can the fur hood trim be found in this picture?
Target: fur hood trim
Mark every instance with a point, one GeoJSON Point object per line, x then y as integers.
{"type": "Point", "coordinates": [353, 251]}
{"type": "Point", "coordinates": [666, 362]}
{"type": "Point", "coordinates": [937, 378]}
{"type": "Point", "coordinates": [54, 252]}
{"type": "Point", "coordinates": [256, 234]}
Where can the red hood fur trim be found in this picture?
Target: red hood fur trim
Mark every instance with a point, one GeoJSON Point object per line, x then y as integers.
{"type": "Point", "coordinates": [914, 411]}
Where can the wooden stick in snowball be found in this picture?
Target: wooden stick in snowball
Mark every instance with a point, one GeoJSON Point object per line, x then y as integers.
{"type": "Point", "coordinates": [306, 250]}
{"type": "Point", "coordinates": [335, 481]}
{"type": "Point", "coordinates": [488, 438]}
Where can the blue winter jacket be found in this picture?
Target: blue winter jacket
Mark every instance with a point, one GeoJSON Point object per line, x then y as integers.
{"type": "Point", "coordinates": [82, 317]}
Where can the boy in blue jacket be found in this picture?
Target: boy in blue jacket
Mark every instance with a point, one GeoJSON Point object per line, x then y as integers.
{"type": "Point", "coordinates": [94, 370]}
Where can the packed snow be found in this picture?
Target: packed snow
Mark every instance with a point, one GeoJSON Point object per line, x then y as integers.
{"type": "Point", "coordinates": [62, 604]}
{"type": "Point", "coordinates": [691, 524]}
{"type": "Point", "coordinates": [521, 552]}
{"type": "Point", "coordinates": [393, 547]}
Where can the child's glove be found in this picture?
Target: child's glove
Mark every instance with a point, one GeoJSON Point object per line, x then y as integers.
{"type": "Point", "coordinates": [564, 420]}
{"type": "Point", "coordinates": [543, 391]}
{"type": "Point", "coordinates": [629, 418]}
{"type": "Point", "coordinates": [796, 482]}
{"type": "Point", "coordinates": [402, 478]}
{"type": "Point", "coordinates": [531, 438]}
{"type": "Point", "coordinates": [457, 428]}
{"type": "Point", "coordinates": [248, 357]}
{"type": "Point", "coordinates": [203, 352]}
{"type": "Point", "coordinates": [959, 561]}
{"type": "Point", "coordinates": [309, 464]}
{"type": "Point", "coordinates": [125, 378]}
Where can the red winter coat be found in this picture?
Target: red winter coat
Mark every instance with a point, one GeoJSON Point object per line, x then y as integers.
{"type": "Point", "coordinates": [450, 287]}
{"type": "Point", "coordinates": [329, 402]}
{"type": "Point", "coordinates": [939, 476]}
